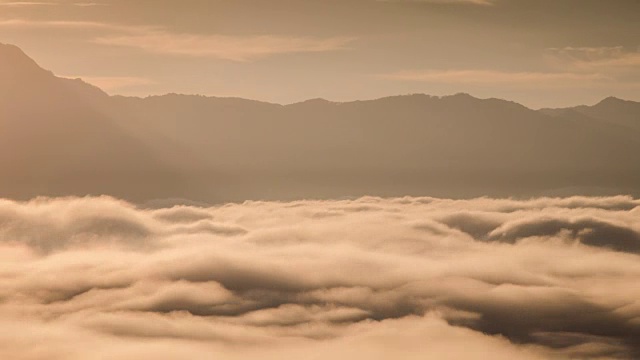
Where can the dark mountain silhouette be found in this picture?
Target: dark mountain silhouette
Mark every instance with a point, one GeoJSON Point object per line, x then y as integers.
{"type": "Point", "coordinates": [235, 149]}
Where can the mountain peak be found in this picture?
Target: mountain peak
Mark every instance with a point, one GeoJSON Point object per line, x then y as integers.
{"type": "Point", "coordinates": [312, 102]}
{"type": "Point", "coordinates": [462, 95]}
{"type": "Point", "coordinates": [612, 100]}
{"type": "Point", "coordinates": [13, 54]}
{"type": "Point", "coordinates": [9, 48]}
{"type": "Point", "coordinates": [317, 101]}
{"type": "Point", "coordinates": [15, 64]}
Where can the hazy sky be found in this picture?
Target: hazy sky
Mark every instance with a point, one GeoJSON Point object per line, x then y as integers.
{"type": "Point", "coordinates": [539, 53]}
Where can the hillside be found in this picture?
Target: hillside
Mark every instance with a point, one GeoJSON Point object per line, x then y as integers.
{"type": "Point", "coordinates": [54, 141]}
{"type": "Point", "coordinates": [66, 137]}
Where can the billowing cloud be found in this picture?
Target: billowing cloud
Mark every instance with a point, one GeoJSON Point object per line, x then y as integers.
{"type": "Point", "coordinates": [85, 278]}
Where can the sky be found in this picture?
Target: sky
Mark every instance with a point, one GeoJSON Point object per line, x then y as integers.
{"type": "Point", "coordinates": [538, 53]}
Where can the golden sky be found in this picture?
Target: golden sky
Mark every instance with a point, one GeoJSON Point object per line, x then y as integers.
{"type": "Point", "coordinates": [539, 53]}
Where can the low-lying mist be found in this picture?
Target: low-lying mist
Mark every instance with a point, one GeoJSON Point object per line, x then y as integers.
{"type": "Point", "coordinates": [373, 278]}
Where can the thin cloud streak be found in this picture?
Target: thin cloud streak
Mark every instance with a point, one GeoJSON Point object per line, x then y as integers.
{"type": "Point", "coordinates": [496, 77]}
{"type": "Point", "coordinates": [445, 2]}
{"type": "Point", "coordinates": [63, 24]}
{"type": "Point", "coordinates": [613, 59]}
{"type": "Point", "coordinates": [90, 4]}
{"type": "Point", "coordinates": [158, 40]}
{"type": "Point", "coordinates": [235, 48]}
{"type": "Point", "coordinates": [26, 3]}
{"type": "Point", "coordinates": [42, 3]}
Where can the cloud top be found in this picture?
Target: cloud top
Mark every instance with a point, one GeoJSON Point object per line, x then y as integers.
{"type": "Point", "coordinates": [372, 278]}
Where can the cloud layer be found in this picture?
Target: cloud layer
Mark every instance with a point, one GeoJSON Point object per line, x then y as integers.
{"type": "Point", "coordinates": [91, 278]}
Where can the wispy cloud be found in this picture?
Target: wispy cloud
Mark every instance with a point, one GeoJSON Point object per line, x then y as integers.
{"type": "Point", "coordinates": [63, 24]}
{"type": "Point", "coordinates": [591, 59]}
{"type": "Point", "coordinates": [236, 48]}
{"type": "Point", "coordinates": [162, 41]}
{"type": "Point", "coordinates": [494, 77]}
{"type": "Point", "coordinates": [445, 2]}
{"type": "Point", "coordinates": [89, 4]}
{"type": "Point", "coordinates": [567, 67]}
{"type": "Point", "coordinates": [26, 3]}
{"type": "Point", "coordinates": [47, 3]}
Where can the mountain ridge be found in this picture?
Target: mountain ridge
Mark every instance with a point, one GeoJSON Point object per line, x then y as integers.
{"type": "Point", "coordinates": [54, 140]}
{"type": "Point", "coordinates": [18, 52]}
{"type": "Point", "coordinates": [227, 149]}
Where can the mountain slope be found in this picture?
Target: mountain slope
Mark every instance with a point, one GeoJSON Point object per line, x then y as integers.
{"type": "Point", "coordinates": [61, 136]}
{"type": "Point", "coordinates": [454, 146]}
{"type": "Point", "coordinates": [53, 141]}
{"type": "Point", "coordinates": [612, 110]}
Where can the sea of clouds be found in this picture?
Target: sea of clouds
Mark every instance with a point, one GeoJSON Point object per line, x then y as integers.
{"type": "Point", "coordinates": [372, 278]}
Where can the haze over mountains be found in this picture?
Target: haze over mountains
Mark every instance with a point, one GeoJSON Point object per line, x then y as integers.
{"type": "Point", "coordinates": [65, 137]}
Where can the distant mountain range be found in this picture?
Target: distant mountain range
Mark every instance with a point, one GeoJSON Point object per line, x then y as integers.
{"type": "Point", "coordinates": [66, 137]}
